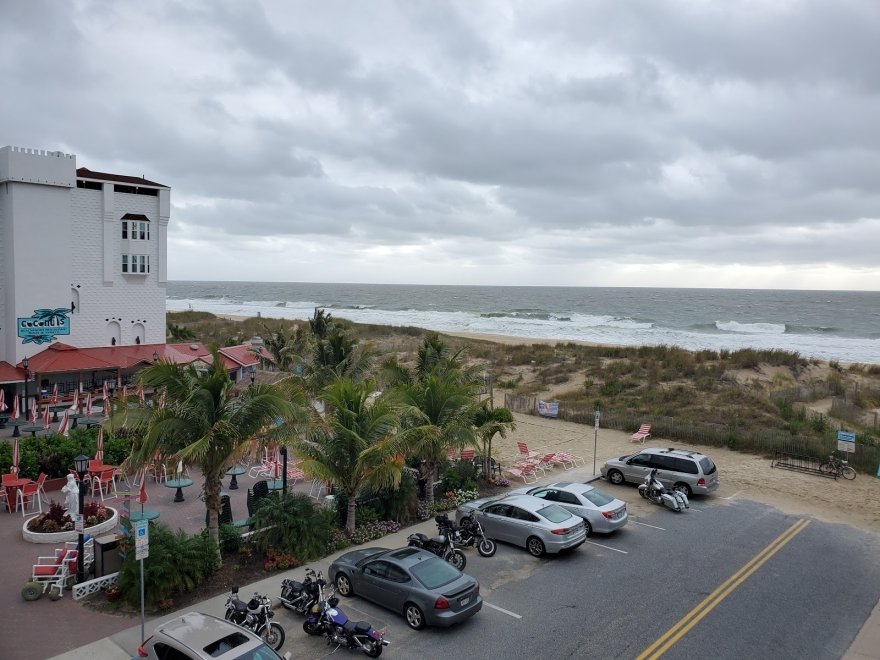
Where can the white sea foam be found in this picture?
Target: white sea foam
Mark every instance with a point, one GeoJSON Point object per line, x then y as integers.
{"type": "Point", "coordinates": [751, 328]}
{"type": "Point", "coordinates": [579, 327]}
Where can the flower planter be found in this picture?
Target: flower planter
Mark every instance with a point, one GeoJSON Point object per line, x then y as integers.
{"type": "Point", "coordinates": [72, 535]}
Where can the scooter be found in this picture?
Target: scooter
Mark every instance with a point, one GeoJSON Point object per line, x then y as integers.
{"type": "Point", "coordinates": [655, 492]}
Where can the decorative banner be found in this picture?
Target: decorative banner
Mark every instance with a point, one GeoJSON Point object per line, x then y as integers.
{"type": "Point", "coordinates": [846, 442]}
{"type": "Point", "coordinates": [44, 325]}
{"type": "Point", "coordinates": [548, 408]}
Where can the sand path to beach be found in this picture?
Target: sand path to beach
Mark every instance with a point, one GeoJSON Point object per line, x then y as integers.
{"type": "Point", "coordinates": [745, 476]}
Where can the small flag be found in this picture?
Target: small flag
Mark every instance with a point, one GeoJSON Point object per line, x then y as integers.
{"type": "Point", "coordinates": [142, 492]}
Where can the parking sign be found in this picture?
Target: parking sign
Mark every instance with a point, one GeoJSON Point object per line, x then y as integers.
{"type": "Point", "coordinates": [141, 539]}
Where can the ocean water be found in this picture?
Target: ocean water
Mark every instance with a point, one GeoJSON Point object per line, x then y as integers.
{"type": "Point", "coordinates": [829, 325]}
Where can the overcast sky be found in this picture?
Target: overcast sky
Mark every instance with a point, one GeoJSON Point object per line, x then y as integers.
{"type": "Point", "coordinates": [631, 143]}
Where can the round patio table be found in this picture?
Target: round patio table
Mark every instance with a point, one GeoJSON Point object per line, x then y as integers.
{"type": "Point", "coordinates": [17, 423]}
{"type": "Point", "coordinates": [12, 487]}
{"type": "Point", "coordinates": [146, 514]}
{"type": "Point", "coordinates": [179, 484]}
{"type": "Point", "coordinates": [33, 430]}
{"type": "Point", "coordinates": [89, 422]}
{"type": "Point", "coordinates": [234, 472]}
{"type": "Point", "coordinates": [75, 417]}
{"type": "Point", "coordinates": [55, 409]}
{"type": "Point", "coordinates": [275, 484]}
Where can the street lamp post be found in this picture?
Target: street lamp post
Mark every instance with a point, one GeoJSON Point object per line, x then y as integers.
{"type": "Point", "coordinates": [284, 469]}
{"type": "Point", "coordinates": [26, 363]}
{"type": "Point", "coordinates": [81, 464]}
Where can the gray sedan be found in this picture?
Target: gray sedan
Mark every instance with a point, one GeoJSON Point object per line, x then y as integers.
{"type": "Point", "coordinates": [601, 512]}
{"type": "Point", "coordinates": [527, 521]}
{"type": "Point", "coordinates": [414, 582]}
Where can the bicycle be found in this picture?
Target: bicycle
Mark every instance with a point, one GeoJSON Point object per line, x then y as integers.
{"type": "Point", "coordinates": [838, 467]}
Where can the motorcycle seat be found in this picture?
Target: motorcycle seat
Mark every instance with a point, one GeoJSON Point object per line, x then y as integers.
{"type": "Point", "coordinates": [293, 584]}
{"type": "Point", "coordinates": [420, 537]}
{"type": "Point", "coordinates": [239, 605]}
{"type": "Point", "coordinates": [360, 627]}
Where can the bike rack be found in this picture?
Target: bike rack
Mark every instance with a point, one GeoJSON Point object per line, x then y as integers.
{"type": "Point", "coordinates": [800, 463]}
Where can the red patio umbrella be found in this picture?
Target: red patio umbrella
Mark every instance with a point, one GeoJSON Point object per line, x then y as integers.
{"type": "Point", "coordinates": [125, 393]}
{"type": "Point", "coordinates": [141, 399]}
{"type": "Point", "coordinates": [15, 456]}
{"type": "Point", "coordinates": [142, 492]}
{"type": "Point", "coordinates": [33, 415]}
{"type": "Point", "coordinates": [3, 405]}
{"type": "Point", "coordinates": [76, 406]}
{"type": "Point", "coordinates": [55, 394]}
{"type": "Point", "coordinates": [89, 404]}
{"type": "Point", "coordinates": [65, 423]}
{"type": "Point", "coordinates": [47, 418]}
{"type": "Point", "coordinates": [99, 454]}
{"type": "Point", "coordinates": [16, 413]}
{"type": "Point", "coordinates": [106, 404]}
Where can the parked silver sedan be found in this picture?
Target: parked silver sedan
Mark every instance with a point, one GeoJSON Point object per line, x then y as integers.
{"type": "Point", "coordinates": [601, 512]}
{"type": "Point", "coordinates": [527, 521]}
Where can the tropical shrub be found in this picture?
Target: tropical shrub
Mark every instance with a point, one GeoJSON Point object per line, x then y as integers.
{"type": "Point", "coordinates": [292, 523]}
{"type": "Point", "coordinates": [55, 519]}
{"type": "Point", "coordinates": [372, 531]}
{"type": "Point", "coordinates": [177, 562]}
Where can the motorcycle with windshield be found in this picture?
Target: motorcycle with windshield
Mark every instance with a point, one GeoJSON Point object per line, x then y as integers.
{"type": "Point", "coordinates": [440, 545]}
{"type": "Point", "coordinates": [654, 491]}
{"type": "Point", "coordinates": [300, 596]}
{"type": "Point", "coordinates": [325, 618]}
{"type": "Point", "coordinates": [256, 615]}
{"type": "Point", "coordinates": [467, 534]}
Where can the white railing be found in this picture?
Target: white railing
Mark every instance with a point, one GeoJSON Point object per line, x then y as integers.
{"type": "Point", "coordinates": [90, 587]}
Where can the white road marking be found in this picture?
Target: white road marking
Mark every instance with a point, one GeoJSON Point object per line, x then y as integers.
{"type": "Point", "coordinates": [734, 495]}
{"type": "Point", "coordinates": [623, 552]}
{"type": "Point", "coordinates": [501, 609]}
{"type": "Point", "coordinates": [636, 522]}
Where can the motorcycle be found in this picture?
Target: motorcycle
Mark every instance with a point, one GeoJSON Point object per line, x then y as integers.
{"type": "Point", "coordinates": [300, 596]}
{"type": "Point", "coordinates": [441, 545]}
{"type": "Point", "coordinates": [655, 492]}
{"type": "Point", "coordinates": [467, 534]}
{"type": "Point", "coordinates": [255, 615]}
{"type": "Point", "coordinates": [325, 618]}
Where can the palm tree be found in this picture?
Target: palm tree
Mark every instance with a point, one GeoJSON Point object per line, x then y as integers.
{"type": "Point", "coordinates": [338, 356]}
{"type": "Point", "coordinates": [286, 350]}
{"type": "Point", "coordinates": [357, 449]}
{"type": "Point", "coordinates": [201, 424]}
{"type": "Point", "coordinates": [491, 422]}
{"type": "Point", "coordinates": [439, 416]}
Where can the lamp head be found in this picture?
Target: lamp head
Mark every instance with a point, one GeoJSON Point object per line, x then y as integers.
{"type": "Point", "coordinates": [155, 356]}
{"type": "Point", "coordinates": [253, 374]}
{"type": "Point", "coordinates": [81, 463]}
{"type": "Point", "coordinates": [25, 363]}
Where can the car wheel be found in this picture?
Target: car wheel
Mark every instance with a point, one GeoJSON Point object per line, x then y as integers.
{"type": "Point", "coordinates": [588, 526]}
{"type": "Point", "coordinates": [682, 487]}
{"type": "Point", "coordinates": [535, 546]}
{"type": "Point", "coordinates": [343, 585]}
{"type": "Point", "coordinates": [415, 618]}
{"type": "Point", "coordinates": [615, 477]}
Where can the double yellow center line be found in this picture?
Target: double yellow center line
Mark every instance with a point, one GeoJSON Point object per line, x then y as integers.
{"type": "Point", "coordinates": [689, 620]}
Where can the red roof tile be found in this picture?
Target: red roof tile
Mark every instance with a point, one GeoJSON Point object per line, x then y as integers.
{"type": "Point", "coordinates": [84, 173]}
{"type": "Point", "coordinates": [10, 374]}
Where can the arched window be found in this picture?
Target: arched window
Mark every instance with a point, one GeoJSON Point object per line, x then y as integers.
{"type": "Point", "coordinates": [74, 300]}
{"type": "Point", "coordinates": [114, 333]}
{"type": "Point", "coordinates": [139, 333]}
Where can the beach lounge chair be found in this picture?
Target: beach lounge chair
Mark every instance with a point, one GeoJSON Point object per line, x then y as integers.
{"type": "Point", "coordinates": [524, 451]}
{"type": "Point", "coordinates": [525, 471]}
{"type": "Point", "coordinates": [569, 460]}
{"type": "Point", "coordinates": [642, 434]}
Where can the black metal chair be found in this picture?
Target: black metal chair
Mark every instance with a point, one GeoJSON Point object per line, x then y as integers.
{"type": "Point", "coordinates": [261, 489]}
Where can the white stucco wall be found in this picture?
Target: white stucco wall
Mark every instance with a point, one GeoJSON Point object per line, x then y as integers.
{"type": "Point", "coordinates": [60, 243]}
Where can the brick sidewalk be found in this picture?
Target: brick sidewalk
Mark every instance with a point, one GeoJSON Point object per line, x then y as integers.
{"type": "Point", "coordinates": [44, 628]}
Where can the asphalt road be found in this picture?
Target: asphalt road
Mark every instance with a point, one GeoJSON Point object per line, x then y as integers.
{"type": "Point", "coordinates": [728, 578]}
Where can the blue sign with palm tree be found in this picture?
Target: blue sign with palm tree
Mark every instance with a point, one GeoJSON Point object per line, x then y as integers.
{"type": "Point", "coordinates": [44, 325]}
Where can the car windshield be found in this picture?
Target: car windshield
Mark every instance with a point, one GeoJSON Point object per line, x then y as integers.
{"type": "Point", "coordinates": [597, 497]}
{"type": "Point", "coordinates": [262, 652]}
{"type": "Point", "coordinates": [434, 573]}
{"type": "Point", "coordinates": [553, 513]}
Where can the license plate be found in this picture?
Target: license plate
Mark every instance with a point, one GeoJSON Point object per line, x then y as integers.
{"type": "Point", "coordinates": [465, 601]}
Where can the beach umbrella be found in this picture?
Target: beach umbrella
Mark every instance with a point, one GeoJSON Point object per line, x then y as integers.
{"type": "Point", "coordinates": [3, 405]}
{"type": "Point", "coordinates": [33, 415]}
{"type": "Point", "coordinates": [99, 454]}
{"type": "Point", "coordinates": [125, 393]}
{"type": "Point", "coordinates": [141, 399]}
{"type": "Point", "coordinates": [16, 457]}
{"type": "Point", "coordinates": [105, 392]}
{"type": "Point", "coordinates": [142, 491]}
{"type": "Point", "coordinates": [55, 394]}
{"type": "Point", "coordinates": [47, 418]}
{"type": "Point", "coordinates": [75, 406]}
{"type": "Point", "coordinates": [88, 404]}
{"type": "Point", "coordinates": [16, 413]}
{"type": "Point", "coordinates": [65, 423]}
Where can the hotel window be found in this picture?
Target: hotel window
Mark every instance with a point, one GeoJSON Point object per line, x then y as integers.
{"type": "Point", "coordinates": [125, 229]}
{"type": "Point", "coordinates": [140, 263]}
{"type": "Point", "coordinates": [135, 226]}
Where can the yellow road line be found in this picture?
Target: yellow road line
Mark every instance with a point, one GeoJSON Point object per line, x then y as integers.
{"type": "Point", "coordinates": [689, 620]}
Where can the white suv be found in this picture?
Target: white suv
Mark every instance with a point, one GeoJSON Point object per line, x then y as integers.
{"type": "Point", "coordinates": [691, 472]}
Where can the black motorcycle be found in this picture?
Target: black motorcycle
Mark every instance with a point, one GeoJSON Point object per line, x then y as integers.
{"type": "Point", "coordinates": [325, 618]}
{"type": "Point", "coordinates": [255, 615]}
{"type": "Point", "coordinates": [441, 545]}
{"type": "Point", "coordinates": [467, 534]}
{"type": "Point", "coordinates": [300, 596]}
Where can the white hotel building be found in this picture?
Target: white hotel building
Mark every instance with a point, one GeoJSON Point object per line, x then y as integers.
{"type": "Point", "coordinates": [91, 243]}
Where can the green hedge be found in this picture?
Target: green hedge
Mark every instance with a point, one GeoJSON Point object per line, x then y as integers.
{"type": "Point", "coordinates": [54, 454]}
